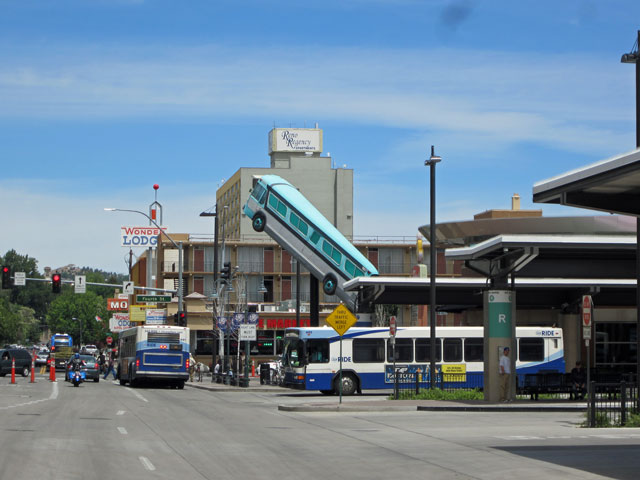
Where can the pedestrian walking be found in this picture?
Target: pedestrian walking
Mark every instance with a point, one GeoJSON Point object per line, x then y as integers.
{"type": "Point", "coordinates": [111, 368]}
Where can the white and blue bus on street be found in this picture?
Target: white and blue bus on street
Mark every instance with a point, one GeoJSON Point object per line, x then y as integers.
{"type": "Point", "coordinates": [158, 353]}
{"type": "Point", "coordinates": [311, 356]}
{"type": "Point", "coordinates": [278, 208]}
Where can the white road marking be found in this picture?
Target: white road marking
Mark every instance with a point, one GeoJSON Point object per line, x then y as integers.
{"type": "Point", "coordinates": [53, 396]}
{"type": "Point", "coordinates": [147, 464]}
{"type": "Point", "coordinates": [137, 394]}
{"type": "Point", "coordinates": [120, 412]}
{"type": "Point", "coordinates": [122, 430]}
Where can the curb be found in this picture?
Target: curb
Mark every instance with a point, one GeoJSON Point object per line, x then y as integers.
{"type": "Point", "coordinates": [502, 408]}
{"type": "Point", "coordinates": [346, 408]}
{"type": "Point", "coordinates": [228, 388]}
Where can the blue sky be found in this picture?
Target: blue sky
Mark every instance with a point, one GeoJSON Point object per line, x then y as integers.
{"type": "Point", "coordinates": [100, 99]}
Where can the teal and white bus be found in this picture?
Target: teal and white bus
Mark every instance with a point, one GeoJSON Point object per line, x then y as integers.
{"type": "Point", "coordinates": [278, 208]}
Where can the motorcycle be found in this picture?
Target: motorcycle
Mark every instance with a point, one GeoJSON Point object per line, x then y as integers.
{"type": "Point", "coordinates": [76, 377]}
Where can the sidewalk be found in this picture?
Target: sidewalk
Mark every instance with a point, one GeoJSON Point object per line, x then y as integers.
{"type": "Point", "coordinates": [379, 403]}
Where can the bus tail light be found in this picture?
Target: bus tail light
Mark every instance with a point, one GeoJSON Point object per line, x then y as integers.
{"type": "Point", "coordinates": [137, 362]}
{"type": "Point", "coordinates": [300, 377]}
{"type": "Point", "coordinates": [186, 363]}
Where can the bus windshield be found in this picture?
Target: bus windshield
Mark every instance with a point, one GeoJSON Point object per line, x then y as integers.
{"type": "Point", "coordinates": [293, 352]}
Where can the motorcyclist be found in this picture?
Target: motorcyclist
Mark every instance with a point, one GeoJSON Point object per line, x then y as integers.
{"type": "Point", "coordinates": [76, 363]}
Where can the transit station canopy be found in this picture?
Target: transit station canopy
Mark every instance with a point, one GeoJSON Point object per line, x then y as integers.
{"type": "Point", "coordinates": [611, 185]}
{"type": "Point", "coordinates": [549, 271]}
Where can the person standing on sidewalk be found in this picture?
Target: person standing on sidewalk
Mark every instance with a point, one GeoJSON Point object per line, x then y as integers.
{"type": "Point", "coordinates": [505, 376]}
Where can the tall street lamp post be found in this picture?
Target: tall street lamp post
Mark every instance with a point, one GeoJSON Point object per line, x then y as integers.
{"type": "Point", "coordinates": [634, 57]}
{"type": "Point", "coordinates": [162, 232]}
{"type": "Point", "coordinates": [431, 162]}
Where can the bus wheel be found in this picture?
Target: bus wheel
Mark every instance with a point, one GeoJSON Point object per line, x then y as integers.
{"type": "Point", "coordinates": [180, 385]}
{"type": "Point", "coordinates": [259, 221]}
{"type": "Point", "coordinates": [329, 284]}
{"type": "Point", "coordinates": [349, 384]}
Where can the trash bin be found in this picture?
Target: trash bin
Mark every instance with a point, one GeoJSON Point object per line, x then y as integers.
{"type": "Point", "coordinates": [264, 374]}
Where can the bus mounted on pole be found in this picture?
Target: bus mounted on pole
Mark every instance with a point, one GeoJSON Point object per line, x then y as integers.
{"type": "Point", "coordinates": [154, 353]}
{"type": "Point", "coordinates": [311, 357]}
{"type": "Point", "coordinates": [61, 347]}
{"type": "Point", "coordinates": [276, 207]}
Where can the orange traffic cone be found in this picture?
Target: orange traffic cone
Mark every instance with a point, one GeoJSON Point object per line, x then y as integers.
{"type": "Point", "coordinates": [52, 369]}
{"type": "Point", "coordinates": [13, 370]}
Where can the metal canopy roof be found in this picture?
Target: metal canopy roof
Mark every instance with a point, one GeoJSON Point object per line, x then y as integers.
{"type": "Point", "coordinates": [456, 294]}
{"type": "Point", "coordinates": [561, 256]}
{"type": "Point", "coordinates": [551, 271]}
{"type": "Point", "coordinates": [611, 185]}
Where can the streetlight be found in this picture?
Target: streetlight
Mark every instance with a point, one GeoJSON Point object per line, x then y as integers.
{"type": "Point", "coordinates": [634, 57]}
{"type": "Point", "coordinates": [177, 245]}
{"type": "Point", "coordinates": [431, 162]}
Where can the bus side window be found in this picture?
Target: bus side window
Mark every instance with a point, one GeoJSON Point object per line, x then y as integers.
{"type": "Point", "coordinates": [423, 350]}
{"type": "Point", "coordinates": [318, 351]}
{"type": "Point", "coordinates": [452, 349]}
{"type": "Point", "coordinates": [368, 350]}
{"type": "Point", "coordinates": [473, 350]}
{"type": "Point", "coordinates": [315, 236]}
{"type": "Point", "coordinates": [350, 268]}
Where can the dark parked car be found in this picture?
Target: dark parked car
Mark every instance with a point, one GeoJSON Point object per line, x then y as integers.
{"type": "Point", "coordinates": [91, 367]}
{"type": "Point", "coordinates": [22, 358]}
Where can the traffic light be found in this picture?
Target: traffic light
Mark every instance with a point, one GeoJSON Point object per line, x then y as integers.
{"type": "Point", "coordinates": [226, 272]}
{"type": "Point", "coordinates": [181, 319]}
{"type": "Point", "coordinates": [6, 277]}
{"type": "Point", "coordinates": [56, 283]}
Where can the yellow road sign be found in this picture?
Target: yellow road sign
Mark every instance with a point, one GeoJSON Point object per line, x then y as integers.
{"type": "Point", "coordinates": [341, 319]}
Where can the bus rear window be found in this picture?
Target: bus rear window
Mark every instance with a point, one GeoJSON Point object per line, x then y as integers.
{"type": "Point", "coordinates": [531, 350]}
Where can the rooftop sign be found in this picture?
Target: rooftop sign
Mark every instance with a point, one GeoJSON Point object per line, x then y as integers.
{"type": "Point", "coordinates": [295, 140]}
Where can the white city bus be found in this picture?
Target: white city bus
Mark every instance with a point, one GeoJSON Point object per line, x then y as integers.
{"type": "Point", "coordinates": [311, 356]}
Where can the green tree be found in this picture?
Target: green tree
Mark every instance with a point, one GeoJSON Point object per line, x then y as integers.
{"type": "Point", "coordinates": [34, 294]}
{"type": "Point", "coordinates": [76, 314]}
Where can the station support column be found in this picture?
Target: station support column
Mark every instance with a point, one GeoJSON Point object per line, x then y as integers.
{"type": "Point", "coordinates": [499, 332]}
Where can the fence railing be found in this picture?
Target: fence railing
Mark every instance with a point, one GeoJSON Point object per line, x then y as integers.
{"type": "Point", "coordinates": [610, 404]}
{"type": "Point", "coordinates": [407, 383]}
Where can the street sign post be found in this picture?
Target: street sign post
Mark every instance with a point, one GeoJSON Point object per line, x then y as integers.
{"type": "Point", "coordinates": [587, 320]}
{"type": "Point", "coordinates": [80, 284]}
{"type": "Point", "coordinates": [153, 298]}
{"type": "Point", "coordinates": [248, 333]}
{"type": "Point", "coordinates": [19, 279]}
{"type": "Point", "coordinates": [127, 287]}
{"type": "Point", "coordinates": [341, 319]}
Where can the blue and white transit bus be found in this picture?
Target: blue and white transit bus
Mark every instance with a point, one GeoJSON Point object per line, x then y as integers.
{"type": "Point", "coordinates": [278, 208]}
{"type": "Point", "coordinates": [311, 356]}
{"type": "Point", "coordinates": [61, 346]}
{"type": "Point", "coordinates": [158, 353]}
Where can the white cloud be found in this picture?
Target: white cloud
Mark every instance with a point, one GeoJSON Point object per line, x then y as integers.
{"type": "Point", "coordinates": [491, 97]}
